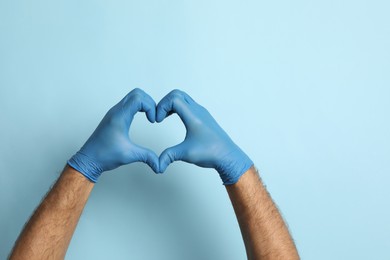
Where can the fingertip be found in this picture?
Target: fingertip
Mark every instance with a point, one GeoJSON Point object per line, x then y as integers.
{"type": "Point", "coordinates": [151, 115]}
{"type": "Point", "coordinates": [153, 162]}
{"type": "Point", "coordinates": [162, 166]}
{"type": "Point", "coordinates": [161, 114]}
{"type": "Point", "coordinates": [156, 168]}
{"type": "Point", "coordinates": [162, 169]}
{"type": "Point", "coordinates": [166, 158]}
{"type": "Point", "coordinates": [159, 117]}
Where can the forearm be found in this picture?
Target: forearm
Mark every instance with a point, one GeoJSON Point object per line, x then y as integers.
{"type": "Point", "coordinates": [264, 232]}
{"type": "Point", "coordinates": [48, 233]}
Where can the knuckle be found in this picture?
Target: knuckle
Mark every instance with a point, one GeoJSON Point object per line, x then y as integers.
{"type": "Point", "coordinates": [134, 96]}
{"type": "Point", "coordinates": [137, 97]}
{"type": "Point", "coordinates": [137, 90]}
{"type": "Point", "coordinates": [176, 93]}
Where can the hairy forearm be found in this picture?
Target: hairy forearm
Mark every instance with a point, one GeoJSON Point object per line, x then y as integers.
{"type": "Point", "coordinates": [264, 232]}
{"type": "Point", "coordinates": [48, 233]}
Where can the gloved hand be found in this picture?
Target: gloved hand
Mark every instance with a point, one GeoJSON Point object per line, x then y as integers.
{"type": "Point", "coordinates": [205, 144]}
{"type": "Point", "coordinates": [110, 146]}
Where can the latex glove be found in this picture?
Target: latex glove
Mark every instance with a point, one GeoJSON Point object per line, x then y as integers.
{"type": "Point", "coordinates": [206, 144]}
{"type": "Point", "coordinates": [110, 146]}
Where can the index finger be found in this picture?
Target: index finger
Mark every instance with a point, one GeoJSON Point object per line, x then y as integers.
{"type": "Point", "coordinates": [138, 101]}
{"type": "Point", "coordinates": [177, 102]}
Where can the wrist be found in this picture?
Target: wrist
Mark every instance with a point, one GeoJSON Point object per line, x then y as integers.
{"type": "Point", "coordinates": [86, 166]}
{"type": "Point", "coordinates": [233, 166]}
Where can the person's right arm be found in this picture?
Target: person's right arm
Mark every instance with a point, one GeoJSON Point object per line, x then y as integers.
{"type": "Point", "coordinates": [48, 232]}
{"type": "Point", "coordinates": [207, 145]}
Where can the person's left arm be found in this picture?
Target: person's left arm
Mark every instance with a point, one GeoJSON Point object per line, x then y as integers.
{"type": "Point", "coordinates": [48, 233]}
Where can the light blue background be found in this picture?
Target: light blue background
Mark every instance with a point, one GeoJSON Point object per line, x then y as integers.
{"type": "Point", "coordinates": [301, 86]}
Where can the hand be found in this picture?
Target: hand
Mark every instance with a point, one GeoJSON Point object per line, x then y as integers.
{"type": "Point", "coordinates": [205, 144]}
{"type": "Point", "coordinates": [110, 146]}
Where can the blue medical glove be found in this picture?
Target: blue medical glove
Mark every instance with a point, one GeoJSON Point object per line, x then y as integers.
{"type": "Point", "coordinates": [110, 146]}
{"type": "Point", "coordinates": [205, 144]}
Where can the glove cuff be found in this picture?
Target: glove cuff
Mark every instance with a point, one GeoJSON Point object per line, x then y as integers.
{"type": "Point", "coordinates": [234, 166]}
{"type": "Point", "coordinates": [86, 166]}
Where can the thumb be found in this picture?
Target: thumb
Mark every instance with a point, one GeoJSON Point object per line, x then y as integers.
{"type": "Point", "coordinates": [147, 156]}
{"type": "Point", "coordinates": [170, 155]}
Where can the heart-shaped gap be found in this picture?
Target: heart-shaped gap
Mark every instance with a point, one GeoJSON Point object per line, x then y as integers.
{"type": "Point", "coordinates": [157, 136]}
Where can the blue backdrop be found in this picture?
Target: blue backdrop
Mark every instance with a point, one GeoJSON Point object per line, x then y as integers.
{"type": "Point", "coordinates": [301, 86]}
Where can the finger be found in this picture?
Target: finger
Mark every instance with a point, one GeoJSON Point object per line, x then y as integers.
{"type": "Point", "coordinates": [138, 101]}
{"type": "Point", "coordinates": [170, 155]}
{"type": "Point", "coordinates": [175, 101]}
{"type": "Point", "coordinates": [149, 107]}
{"type": "Point", "coordinates": [147, 156]}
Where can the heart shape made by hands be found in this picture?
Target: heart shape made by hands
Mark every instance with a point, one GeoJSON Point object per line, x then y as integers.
{"type": "Point", "coordinates": [157, 136]}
